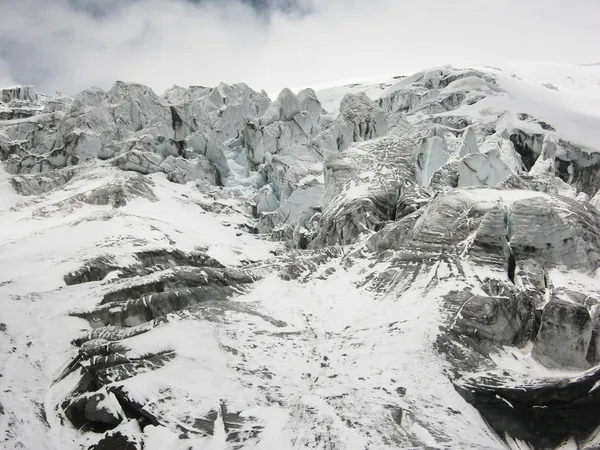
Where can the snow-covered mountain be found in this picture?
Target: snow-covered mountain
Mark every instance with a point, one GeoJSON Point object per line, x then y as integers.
{"type": "Point", "coordinates": [408, 263]}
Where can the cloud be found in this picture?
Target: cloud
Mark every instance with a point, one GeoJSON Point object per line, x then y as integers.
{"type": "Point", "coordinates": [69, 45]}
{"type": "Point", "coordinates": [5, 77]}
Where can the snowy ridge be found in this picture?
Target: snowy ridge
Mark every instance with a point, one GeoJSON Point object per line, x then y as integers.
{"type": "Point", "coordinates": [409, 263]}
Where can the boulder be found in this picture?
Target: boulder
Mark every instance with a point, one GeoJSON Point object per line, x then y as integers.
{"type": "Point", "coordinates": [104, 408]}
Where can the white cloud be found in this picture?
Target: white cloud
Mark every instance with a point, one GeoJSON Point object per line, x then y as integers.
{"type": "Point", "coordinates": [5, 77]}
{"type": "Point", "coordinates": [57, 45]}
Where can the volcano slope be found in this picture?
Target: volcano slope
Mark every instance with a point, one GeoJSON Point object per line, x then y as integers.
{"type": "Point", "coordinates": [409, 264]}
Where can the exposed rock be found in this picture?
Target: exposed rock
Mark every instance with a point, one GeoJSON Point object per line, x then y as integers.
{"type": "Point", "coordinates": [117, 441]}
{"type": "Point", "coordinates": [363, 189]}
{"type": "Point", "coordinates": [564, 336]}
{"type": "Point", "coordinates": [104, 408]}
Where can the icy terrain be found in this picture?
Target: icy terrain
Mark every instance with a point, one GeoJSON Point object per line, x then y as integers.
{"type": "Point", "coordinates": [406, 263]}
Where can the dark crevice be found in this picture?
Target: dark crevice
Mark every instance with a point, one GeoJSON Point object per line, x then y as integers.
{"type": "Point", "coordinates": [176, 119]}
{"type": "Point", "coordinates": [512, 264]}
{"type": "Point", "coordinates": [562, 169]}
{"type": "Point", "coordinates": [542, 415]}
{"type": "Point", "coordinates": [524, 145]}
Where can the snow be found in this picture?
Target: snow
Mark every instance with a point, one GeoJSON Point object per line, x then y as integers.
{"type": "Point", "coordinates": [335, 368]}
{"type": "Point", "coordinates": [331, 94]}
{"type": "Point", "coordinates": [370, 341]}
{"type": "Point", "coordinates": [356, 190]}
{"type": "Point", "coordinates": [8, 197]}
{"type": "Point", "coordinates": [35, 253]}
{"type": "Point", "coordinates": [573, 109]}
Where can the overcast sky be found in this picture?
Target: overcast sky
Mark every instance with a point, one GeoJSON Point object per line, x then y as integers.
{"type": "Point", "coordinates": [69, 45]}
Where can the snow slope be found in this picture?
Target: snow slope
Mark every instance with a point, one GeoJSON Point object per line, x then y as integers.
{"type": "Point", "coordinates": [46, 237]}
{"type": "Point", "coordinates": [345, 366]}
{"type": "Point", "coordinates": [566, 97]}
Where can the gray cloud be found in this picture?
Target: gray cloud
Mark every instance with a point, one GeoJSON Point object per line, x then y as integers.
{"type": "Point", "coordinates": [72, 44]}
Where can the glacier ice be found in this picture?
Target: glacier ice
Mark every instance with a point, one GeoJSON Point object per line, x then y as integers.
{"type": "Point", "coordinates": [407, 264]}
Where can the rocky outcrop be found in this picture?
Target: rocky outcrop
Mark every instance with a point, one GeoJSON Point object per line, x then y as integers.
{"type": "Point", "coordinates": [172, 292]}
{"type": "Point", "coordinates": [364, 190]}
{"type": "Point", "coordinates": [523, 411]}
{"type": "Point", "coordinates": [564, 337]}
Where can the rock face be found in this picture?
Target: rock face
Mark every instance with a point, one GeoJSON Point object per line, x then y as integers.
{"type": "Point", "coordinates": [364, 190]}
{"type": "Point", "coordinates": [425, 273]}
{"type": "Point", "coordinates": [564, 336]}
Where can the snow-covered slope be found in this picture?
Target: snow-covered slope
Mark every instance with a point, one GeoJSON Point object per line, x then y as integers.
{"type": "Point", "coordinates": [410, 263]}
{"type": "Point", "coordinates": [566, 97]}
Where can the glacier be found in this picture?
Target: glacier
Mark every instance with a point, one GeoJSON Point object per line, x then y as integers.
{"type": "Point", "coordinates": [405, 263]}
